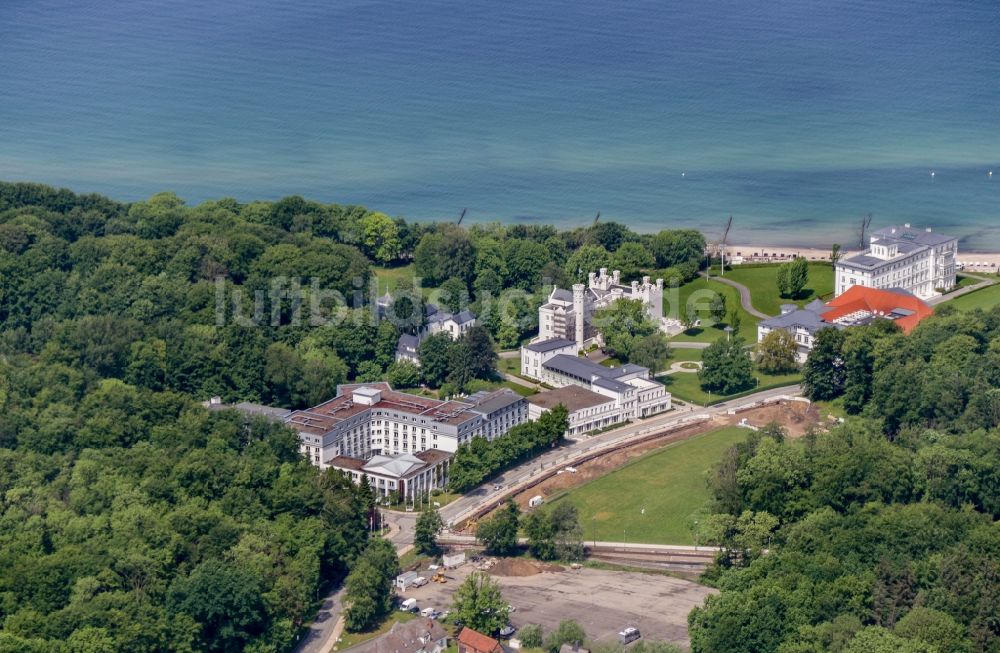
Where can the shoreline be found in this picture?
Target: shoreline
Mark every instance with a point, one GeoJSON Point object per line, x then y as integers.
{"type": "Point", "coordinates": [972, 261]}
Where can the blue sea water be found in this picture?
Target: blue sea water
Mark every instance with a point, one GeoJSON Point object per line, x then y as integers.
{"type": "Point", "coordinates": [795, 116]}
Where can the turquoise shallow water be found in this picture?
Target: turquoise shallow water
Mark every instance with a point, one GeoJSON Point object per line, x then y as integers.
{"type": "Point", "coordinates": [797, 117]}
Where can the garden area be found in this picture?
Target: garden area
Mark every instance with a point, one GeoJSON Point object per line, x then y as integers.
{"type": "Point", "coordinates": [675, 301]}
{"type": "Point", "coordinates": [654, 498]}
{"type": "Point", "coordinates": [762, 281]}
{"type": "Point", "coordinates": [684, 384]}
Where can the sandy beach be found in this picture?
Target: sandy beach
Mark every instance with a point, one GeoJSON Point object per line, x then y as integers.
{"type": "Point", "coordinates": [972, 261]}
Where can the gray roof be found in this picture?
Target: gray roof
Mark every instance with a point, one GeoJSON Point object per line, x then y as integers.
{"type": "Point", "coordinates": [495, 401]}
{"type": "Point", "coordinates": [817, 306]}
{"type": "Point", "coordinates": [562, 295]}
{"type": "Point", "coordinates": [611, 384]}
{"type": "Point", "coordinates": [861, 261]}
{"type": "Point", "coordinates": [272, 412]}
{"type": "Point", "coordinates": [407, 343]}
{"type": "Point", "coordinates": [550, 344]}
{"type": "Point", "coordinates": [911, 235]}
{"type": "Point", "coordinates": [394, 466]}
{"type": "Point", "coordinates": [584, 369]}
{"type": "Point", "coordinates": [464, 316]}
{"type": "Point", "coordinates": [809, 320]}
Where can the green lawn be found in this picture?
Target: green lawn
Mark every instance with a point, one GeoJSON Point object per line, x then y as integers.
{"type": "Point", "coordinates": [762, 282]}
{"type": "Point", "coordinates": [389, 279]}
{"type": "Point", "coordinates": [687, 387]}
{"type": "Point", "coordinates": [669, 483]}
{"type": "Point", "coordinates": [675, 301]}
{"type": "Point", "coordinates": [984, 298]}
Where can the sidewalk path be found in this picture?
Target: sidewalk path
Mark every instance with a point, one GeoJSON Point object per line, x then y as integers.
{"type": "Point", "coordinates": [744, 296]}
{"type": "Point", "coordinates": [514, 480]}
{"type": "Point", "coordinates": [983, 282]}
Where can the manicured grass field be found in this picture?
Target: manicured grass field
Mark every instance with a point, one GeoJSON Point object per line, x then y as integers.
{"type": "Point", "coordinates": [389, 279]}
{"type": "Point", "coordinates": [669, 484]}
{"type": "Point", "coordinates": [675, 301]}
{"type": "Point", "coordinates": [762, 280]}
{"type": "Point", "coordinates": [687, 387]}
{"type": "Point", "coordinates": [984, 298]}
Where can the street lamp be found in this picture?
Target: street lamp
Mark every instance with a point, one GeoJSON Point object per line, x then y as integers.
{"type": "Point", "coordinates": [729, 332]}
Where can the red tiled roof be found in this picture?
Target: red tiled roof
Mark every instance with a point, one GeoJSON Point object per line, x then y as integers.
{"type": "Point", "coordinates": [879, 302]}
{"type": "Point", "coordinates": [478, 641]}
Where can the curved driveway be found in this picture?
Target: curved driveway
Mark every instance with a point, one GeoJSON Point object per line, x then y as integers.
{"type": "Point", "coordinates": [744, 296]}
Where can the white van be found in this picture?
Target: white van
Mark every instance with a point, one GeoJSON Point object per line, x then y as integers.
{"type": "Point", "coordinates": [427, 612]}
{"type": "Point", "coordinates": [409, 605]}
{"type": "Point", "coordinates": [536, 501]}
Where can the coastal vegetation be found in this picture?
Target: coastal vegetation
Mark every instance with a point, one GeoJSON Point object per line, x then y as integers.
{"type": "Point", "coordinates": [135, 519]}
{"type": "Point", "coordinates": [881, 534]}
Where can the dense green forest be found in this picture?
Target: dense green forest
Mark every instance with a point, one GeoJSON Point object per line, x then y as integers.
{"type": "Point", "coordinates": [131, 518]}
{"type": "Point", "coordinates": [882, 534]}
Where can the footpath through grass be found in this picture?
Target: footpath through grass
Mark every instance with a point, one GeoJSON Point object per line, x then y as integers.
{"type": "Point", "coordinates": [675, 301]}
{"type": "Point", "coordinates": [653, 499]}
{"type": "Point", "coordinates": [762, 281]}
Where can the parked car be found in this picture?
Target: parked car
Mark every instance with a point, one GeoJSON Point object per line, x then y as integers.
{"type": "Point", "coordinates": [629, 634]}
{"type": "Point", "coordinates": [419, 581]}
{"type": "Point", "coordinates": [507, 630]}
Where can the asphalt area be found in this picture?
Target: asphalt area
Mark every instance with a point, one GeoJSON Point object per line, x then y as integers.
{"type": "Point", "coordinates": [603, 602]}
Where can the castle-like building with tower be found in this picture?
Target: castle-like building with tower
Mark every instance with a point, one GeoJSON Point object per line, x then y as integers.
{"type": "Point", "coordinates": [568, 314]}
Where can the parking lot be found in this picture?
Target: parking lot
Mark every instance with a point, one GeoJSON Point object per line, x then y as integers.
{"type": "Point", "coordinates": [603, 602]}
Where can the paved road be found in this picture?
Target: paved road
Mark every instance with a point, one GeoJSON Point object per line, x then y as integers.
{"type": "Point", "coordinates": [983, 282]}
{"type": "Point", "coordinates": [326, 628]}
{"type": "Point", "coordinates": [518, 380]}
{"type": "Point", "coordinates": [510, 353]}
{"type": "Point", "coordinates": [514, 480]}
{"type": "Point", "coordinates": [744, 296]}
{"type": "Point", "coordinates": [689, 345]}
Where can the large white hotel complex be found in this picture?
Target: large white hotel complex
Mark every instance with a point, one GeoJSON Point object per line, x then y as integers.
{"type": "Point", "coordinates": [919, 261]}
{"type": "Point", "coordinates": [400, 442]}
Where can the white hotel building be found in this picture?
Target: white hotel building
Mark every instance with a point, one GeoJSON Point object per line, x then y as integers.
{"type": "Point", "coordinates": [370, 419]}
{"type": "Point", "coordinates": [918, 261]}
{"type": "Point", "coordinates": [602, 396]}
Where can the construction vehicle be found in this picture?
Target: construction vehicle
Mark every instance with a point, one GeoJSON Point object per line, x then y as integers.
{"type": "Point", "coordinates": [438, 578]}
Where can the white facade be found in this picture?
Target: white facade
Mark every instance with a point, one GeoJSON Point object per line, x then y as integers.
{"type": "Point", "coordinates": [634, 394]}
{"type": "Point", "coordinates": [920, 262]}
{"type": "Point", "coordinates": [372, 419]}
{"type": "Point", "coordinates": [536, 353]}
{"type": "Point", "coordinates": [410, 475]}
{"type": "Point", "coordinates": [567, 314]}
{"type": "Point", "coordinates": [583, 419]}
